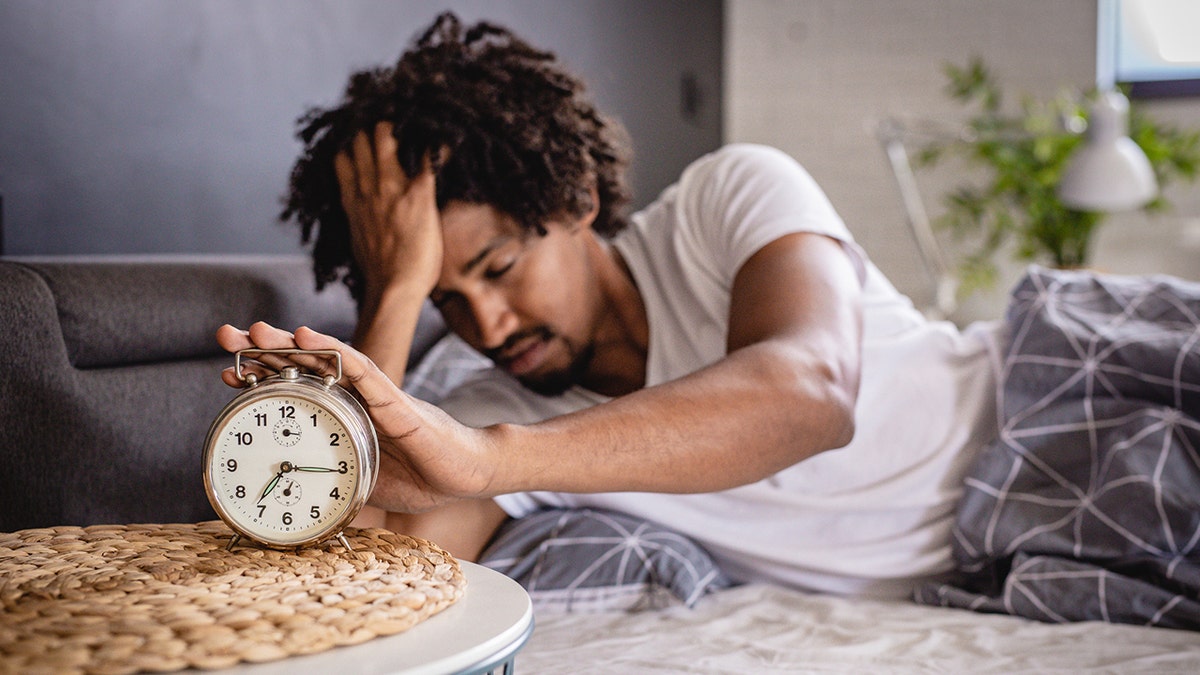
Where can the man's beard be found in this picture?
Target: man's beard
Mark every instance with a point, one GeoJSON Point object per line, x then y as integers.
{"type": "Point", "coordinates": [554, 382]}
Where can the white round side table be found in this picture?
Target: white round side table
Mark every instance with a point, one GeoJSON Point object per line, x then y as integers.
{"type": "Point", "coordinates": [481, 633]}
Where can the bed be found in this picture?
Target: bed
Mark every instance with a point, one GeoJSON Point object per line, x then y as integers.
{"type": "Point", "coordinates": [1075, 543]}
{"type": "Point", "coordinates": [614, 594]}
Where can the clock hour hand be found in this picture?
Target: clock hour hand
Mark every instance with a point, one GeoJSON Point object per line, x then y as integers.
{"type": "Point", "coordinates": [270, 486]}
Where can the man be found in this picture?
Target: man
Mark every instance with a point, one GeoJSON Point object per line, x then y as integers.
{"type": "Point", "coordinates": [692, 364]}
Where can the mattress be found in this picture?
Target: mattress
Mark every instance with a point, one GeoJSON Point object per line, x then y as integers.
{"type": "Point", "coordinates": [768, 629]}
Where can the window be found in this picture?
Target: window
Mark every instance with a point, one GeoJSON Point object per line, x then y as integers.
{"type": "Point", "coordinates": [1150, 46]}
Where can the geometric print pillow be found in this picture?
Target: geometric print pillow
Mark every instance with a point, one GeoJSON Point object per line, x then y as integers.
{"type": "Point", "coordinates": [588, 560]}
{"type": "Point", "coordinates": [1087, 506]}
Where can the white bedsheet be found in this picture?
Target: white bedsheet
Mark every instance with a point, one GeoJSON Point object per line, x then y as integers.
{"type": "Point", "coordinates": [767, 629]}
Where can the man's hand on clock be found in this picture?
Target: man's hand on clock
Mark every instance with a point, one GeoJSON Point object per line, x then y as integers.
{"type": "Point", "coordinates": [427, 458]}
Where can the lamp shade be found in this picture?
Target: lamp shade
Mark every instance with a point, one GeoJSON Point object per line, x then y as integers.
{"type": "Point", "coordinates": [1108, 172]}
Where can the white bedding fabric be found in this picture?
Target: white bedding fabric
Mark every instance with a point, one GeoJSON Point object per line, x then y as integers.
{"type": "Point", "coordinates": [768, 629]}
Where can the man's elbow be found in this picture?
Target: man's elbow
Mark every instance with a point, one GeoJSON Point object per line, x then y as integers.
{"type": "Point", "coordinates": [825, 390]}
{"type": "Point", "coordinates": [835, 400]}
{"type": "Point", "coordinates": [841, 417]}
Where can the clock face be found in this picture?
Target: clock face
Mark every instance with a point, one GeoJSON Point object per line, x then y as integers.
{"type": "Point", "coordinates": [283, 469]}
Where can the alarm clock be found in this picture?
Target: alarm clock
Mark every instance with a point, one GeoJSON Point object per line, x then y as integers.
{"type": "Point", "coordinates": [291, 460]}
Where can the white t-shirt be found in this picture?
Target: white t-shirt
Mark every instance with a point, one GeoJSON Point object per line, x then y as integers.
{"type": "Point", "coordinates": [868, 519]}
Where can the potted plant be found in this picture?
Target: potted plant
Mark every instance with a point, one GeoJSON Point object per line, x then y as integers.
{"type": "Point", "coordinates": [1024, 154]}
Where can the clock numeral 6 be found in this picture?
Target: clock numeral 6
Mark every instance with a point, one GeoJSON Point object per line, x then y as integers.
{"type": "Point", "coordinates": [287, 518]}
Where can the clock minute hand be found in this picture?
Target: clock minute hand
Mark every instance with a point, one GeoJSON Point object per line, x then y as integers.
{"type": "Point", "coordinates": [314, 469]}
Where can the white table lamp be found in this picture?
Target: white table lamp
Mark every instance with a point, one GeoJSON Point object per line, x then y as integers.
{"type": "Point", "coordinates": [1109, 172]}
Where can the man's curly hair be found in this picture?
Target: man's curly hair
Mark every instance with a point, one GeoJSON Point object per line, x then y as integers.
{"type": "Point", "coordinates": [520, 134]}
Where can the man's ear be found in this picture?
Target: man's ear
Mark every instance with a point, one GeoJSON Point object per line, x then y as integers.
{"type": "Point", "coordinates": [587, 219]}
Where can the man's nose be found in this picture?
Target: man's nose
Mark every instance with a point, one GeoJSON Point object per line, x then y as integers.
{"type": "Point", "coordinates": [494, 318]}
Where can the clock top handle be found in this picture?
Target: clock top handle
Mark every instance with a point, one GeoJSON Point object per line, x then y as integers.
{"type": "Point", "coordinates": [251, 379]}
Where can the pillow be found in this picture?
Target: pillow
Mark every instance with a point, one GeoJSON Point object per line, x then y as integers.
{"type": "Point", "coordinates": [447, 363]}
{"type": "Point", "coordinates": [580, 560]}
{"type": "Point", "coordinates": [1087, 505]}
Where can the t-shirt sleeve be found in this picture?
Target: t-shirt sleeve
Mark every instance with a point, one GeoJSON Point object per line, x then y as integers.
{"type": "Point", "coordinates": [745, 196]}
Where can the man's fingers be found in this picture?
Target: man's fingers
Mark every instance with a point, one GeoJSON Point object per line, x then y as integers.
{"type": "Point", "coordinates": [347, 180]}
{"type": "Point", "coordinates": [229, 375]}
{"type": "Point", "coordinates": [232, 339]}
{"type": "Point", "coordinates": [391, 176]}
{"type": "Point", "coordinates": [360, 371]}
{"type": "Point", "coordinates": [364, 164]}
{"type": "Point", "coordinates": [262, 335]}
{"type": "Point", "coordinates": [355, 365]}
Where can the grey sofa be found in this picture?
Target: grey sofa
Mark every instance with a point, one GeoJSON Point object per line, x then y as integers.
{"type": "Point", "coordinates": [110, 376]}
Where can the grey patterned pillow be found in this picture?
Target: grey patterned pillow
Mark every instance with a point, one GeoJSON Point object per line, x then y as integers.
{"type": "Point", "coordinates": [578, 560]}
{"type": "Point", "coordinates": [1087, 505]}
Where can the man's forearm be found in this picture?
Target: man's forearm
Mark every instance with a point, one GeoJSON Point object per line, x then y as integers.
{"type": "Point", "coordinates": [386, 326]}
{"type": "Point", "coordinates": [736, 422]}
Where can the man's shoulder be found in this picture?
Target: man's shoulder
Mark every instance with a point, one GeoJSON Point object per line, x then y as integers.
{"type": "Point", "coordinates": [740, 168]}
{"type": "Point", "coordinates": [727, 170]}
{"type": "Point", "coordinates": [742, 153]}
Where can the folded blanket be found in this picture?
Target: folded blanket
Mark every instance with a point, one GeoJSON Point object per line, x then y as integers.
{"type": "Point", "coordinates": [1087, 506]}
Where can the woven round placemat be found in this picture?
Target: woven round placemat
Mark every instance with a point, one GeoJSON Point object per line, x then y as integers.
{"type": "Point", "coordinates": [134, 598]}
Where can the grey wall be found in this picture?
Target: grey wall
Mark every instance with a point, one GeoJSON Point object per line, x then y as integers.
{"type": "Point", "coordinates": [143, 126]}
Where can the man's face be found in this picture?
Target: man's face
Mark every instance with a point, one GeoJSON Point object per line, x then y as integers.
{"type": "Point", "coordinates": [526, 301]}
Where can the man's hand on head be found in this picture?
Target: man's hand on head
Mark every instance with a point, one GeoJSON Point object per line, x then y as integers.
{"type": "Point", "coordinates": [395, 231]}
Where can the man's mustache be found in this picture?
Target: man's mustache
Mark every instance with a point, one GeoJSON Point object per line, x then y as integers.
{"type": "Point", "coordinates": [498, 354]}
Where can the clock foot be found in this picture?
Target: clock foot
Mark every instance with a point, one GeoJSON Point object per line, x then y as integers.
{"type": "Point", "coordinates": [341, 537]}
{"type": "Point", "coordinates": [233, 542]}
